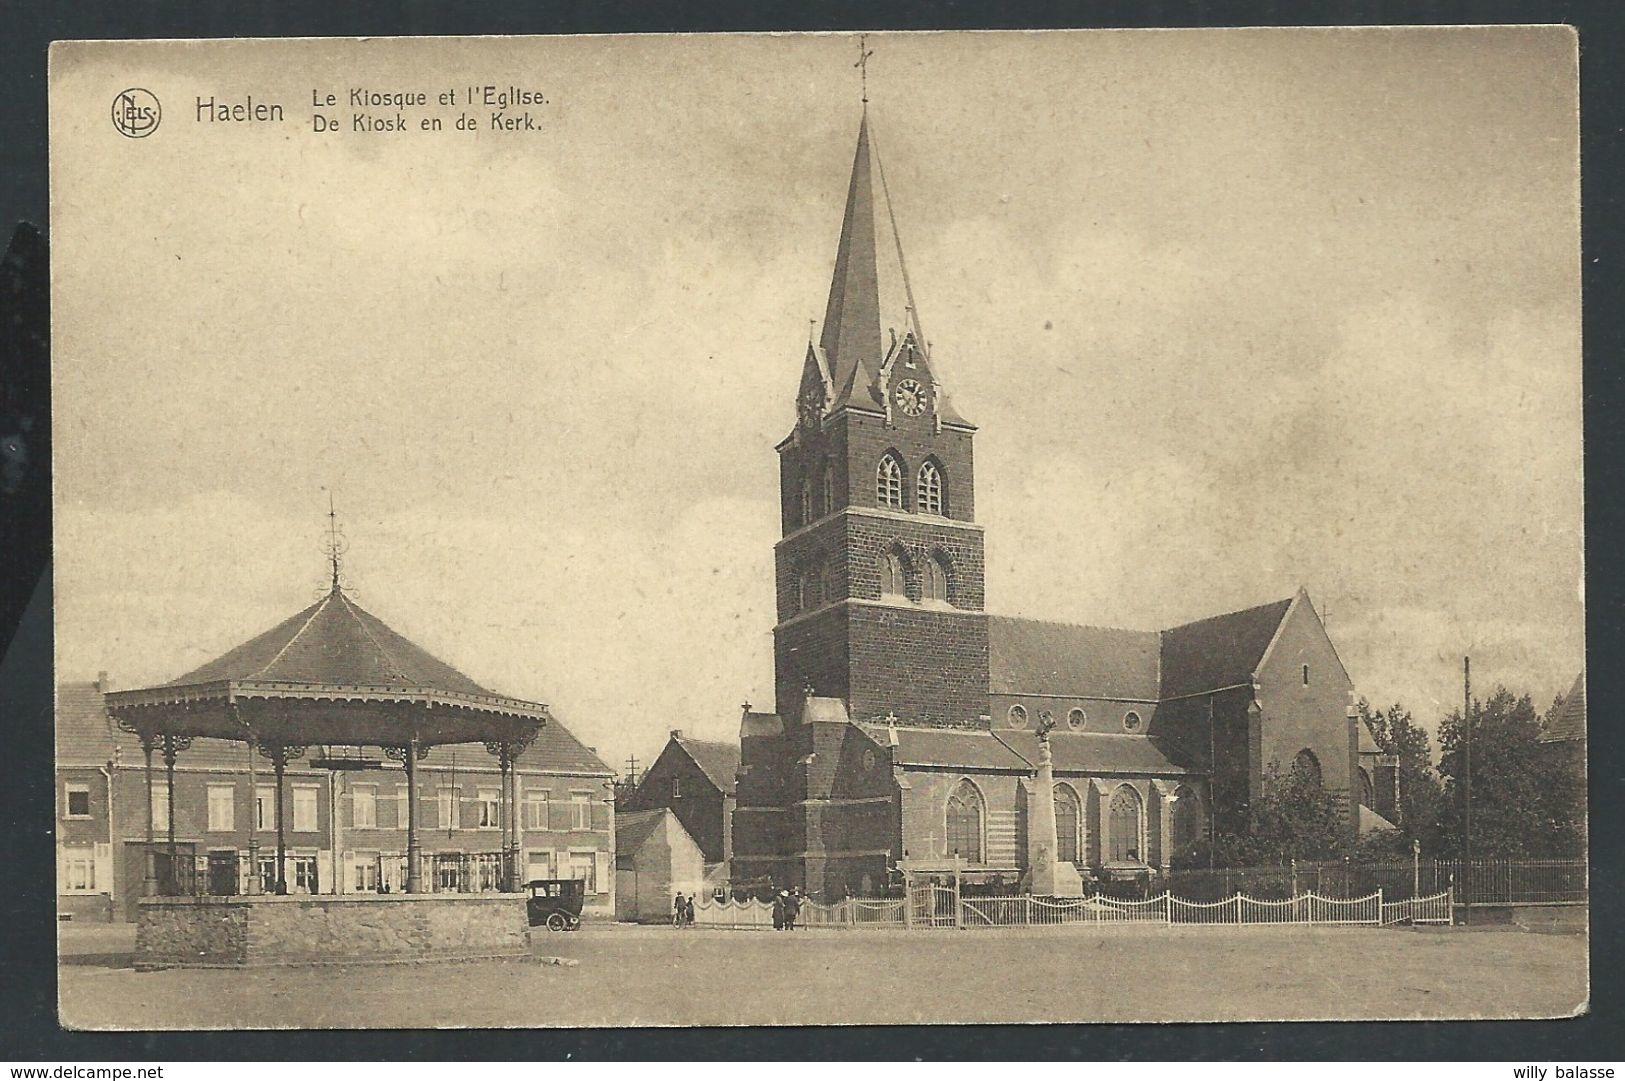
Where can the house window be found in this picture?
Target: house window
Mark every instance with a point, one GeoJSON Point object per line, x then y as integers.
{"type": "Point", "coordinates": [893, 574]}
{"type": "Point", "coordinates": [302, 870]}
{"type": "Point", "coordinates": [265, 807]}
{"type": "Point", "coordinates": [934, 586]}
{"type": "Point", "coordinates": [490, 809]}
{"type": "Point", "coordinates": [583, 862]}
{"type": "Point", "coordinates": [1125, 825]}
{"type": "Point", "coordinates": [78, 870]}
{"type": "Point", "coordinates": [928, 492]}
{"type": "Point", "coordinates": [364, 806]}
{"type": "Point", "coordinates": [889, 483]}
{"type": "Point", "coordinates": [304, 809]}
{"type": "Point", "coordinates": [1018, 716]}
{"type": "Point", "coordinates": [806, 501]}
{"type": "Point", "coordinates": [364, 875]}
{"type": "Point", "coordinates": [160, 805]}
{"type": "Point", "coordinates": [536, 811]}
{"type": "Point", "coordinates": [964, 825]}
{"type": "Point", "coordinates": [222, 807]}
{"type": "Point", "coordinates": [78, 801]}
{"type": "Point", "coordinates": [446, 807]}
{"type": "Point", "coordinates": [581, 810]}
{"type": "Point", "coordinates": [1067, 818]}
{"type": "Point", "coordinates": [539, 865]}
{"type": "Point", "coordinates": [1306, 675]}
{"type": "Point", "coordinates": [829, 488]}
{"type": "Point", "coordinates": [1131, 721]}
{"type": "Point", "coordinates": [1076, 719]}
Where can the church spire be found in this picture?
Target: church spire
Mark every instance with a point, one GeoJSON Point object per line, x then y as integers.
{"type": "Point", "coordinates": [851, 337]}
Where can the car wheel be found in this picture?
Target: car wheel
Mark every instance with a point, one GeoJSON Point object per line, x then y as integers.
{"type": "Point", "coordinates": [557, 922]}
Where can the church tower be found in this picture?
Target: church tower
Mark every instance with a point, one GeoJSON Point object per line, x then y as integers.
{"type": "Point", "coordinates": [880, 568]}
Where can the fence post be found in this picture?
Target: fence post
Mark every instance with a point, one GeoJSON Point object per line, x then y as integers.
{"type": "Point", "coordinates": [908, 907]}
{"type": "Point", "coordinates": [1238, 908]}
{"type": "Point", "coordinates": [1309, 905]}
{"type": "Point", "coordinates": [1167, 906]}
{"type": "Point", "coordinates": [1378, 920]}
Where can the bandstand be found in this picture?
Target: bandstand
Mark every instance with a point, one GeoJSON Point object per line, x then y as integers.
{"type": "Point", "coordinates": [332, 675]}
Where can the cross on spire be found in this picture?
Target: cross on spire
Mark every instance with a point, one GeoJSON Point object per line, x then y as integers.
{"type": "Point", "coordinates": [336, 544]}
{"type": "Point", "coordinates": [864, 53]}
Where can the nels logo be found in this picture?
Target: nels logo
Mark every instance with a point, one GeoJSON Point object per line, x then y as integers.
{"type": "Point", "coordinates": [136, 113]}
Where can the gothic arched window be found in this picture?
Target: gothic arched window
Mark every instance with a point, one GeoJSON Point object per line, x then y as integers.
{"type": "Point", "coordinates": [929, 491]}
{"type": "Point", "coordinates": [1367, 794]}
{"type": "Point", "coordinates": [829, 488]}
{"type": "Point", "coordinates": [1306, 770]}
{"type": "Point", "coordinates": [934, 585]}
{"type": "Point", "coordinates": [893, 574]}
{"type": "Point", "coordinates": [1187, 820]}
{"type": "Point", "coordinates": [964, 825]}
{"type": "Point", "coordinates": [806, 501]}
{"type": "Point", "coordinates": [1067, 820]}
{"type": "Point", "coordinates": [812, 587]}
{"type": "Point", "coordinates": [1125, 826]}
{"type": "Point", "coordinates": [889, 482]}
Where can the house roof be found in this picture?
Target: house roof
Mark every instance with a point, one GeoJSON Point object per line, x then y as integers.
{"type": "Point", "coordinates": [557, 750]}
{"type": "Point", "coordinates": [1101, 752]}
{"type": "Point", "coordinates": [1220, 651]}
{"type": "Point", "coordinates": [717, 760]}
{"type": "Point", "coordinates": [84, 732]}
{"type": "Point", "coordinates": [334, 641]}
{"type": "Point", "coordinates": [1569, 720]}
{"type": "Point", "coordinates": [632, 828]}
{"type": "Point", "coordinates": [960, 748]}
{"type": "Point", "coordinates": [1030, 656]}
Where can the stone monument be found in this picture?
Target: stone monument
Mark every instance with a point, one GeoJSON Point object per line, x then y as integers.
{"type": "Point", "coordinates": [1046, 876]}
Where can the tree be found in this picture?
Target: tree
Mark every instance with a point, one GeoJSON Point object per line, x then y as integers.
{"type": "Point", "coordinates": [1420, 791]}
{"type": "Point", "coordinates": [1523, 802]}
{"type": "Point", "coordinates": [1293, 819]}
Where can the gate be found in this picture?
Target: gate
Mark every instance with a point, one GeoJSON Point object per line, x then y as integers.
{"type": "Point", "coordinates": [933, 906]}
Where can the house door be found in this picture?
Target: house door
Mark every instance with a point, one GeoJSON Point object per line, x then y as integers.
{"type": "Point", "coordinates": [222, 874]}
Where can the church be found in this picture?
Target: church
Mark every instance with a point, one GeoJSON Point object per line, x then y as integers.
{"type": "Point", "coordinates": [911, 725]}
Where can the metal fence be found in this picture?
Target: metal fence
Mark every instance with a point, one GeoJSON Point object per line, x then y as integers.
{"type": "Point", "coordinates": [1486, 882]}
{"type": "Point", "coordinates": [939, 907]}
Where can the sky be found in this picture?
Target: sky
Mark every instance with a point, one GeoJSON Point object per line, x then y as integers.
{"type": "Point", "coordinates": [1236, 312]}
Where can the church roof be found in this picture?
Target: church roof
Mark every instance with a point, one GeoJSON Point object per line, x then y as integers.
{"type": "Point", "coordinates": [334, 641]}
{"type": "Point", "coordinates": [1030, 656]}
{"type": "Point", "coordinates": [1220, 651]}
{"type": "Point", "coordinates": [717, 760]}
{"type": "Point", "coordinates": [955, 748]}
{"type": "Point", "coordinates": [1100, 752]}
{"type": "Point", "coordinates": [1368, 742]}
{"type": "Point", "coordinates": [1569, 720]}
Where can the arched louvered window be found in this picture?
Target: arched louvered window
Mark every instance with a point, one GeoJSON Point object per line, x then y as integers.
{"type": "Point", "coordinates": [1068, 818]}
{"type": "Point", "coordinates": [1306, 770]}
{"type": "Point", "coordinates": [964, 825]}
{"type": "Point", "coordinates": [929, 491]}
{"type": "Point", "coordinates": [829, 488]}
{"type": "Point", "coordinates": [812, 587]}
{"type": "Point", "coordinates": [934, 584]}
{"type": "Point", "coordinates": [1125, 826]}
{"type": "Point", "coordinates": [806, 501]}
{"type": "Point", "coordinates": [893, 574]}
{"type": "Point", "coordinates": [889, 482]}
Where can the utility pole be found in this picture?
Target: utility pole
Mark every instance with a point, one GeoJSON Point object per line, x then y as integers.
{"type": "Point", "coordinates": [1467, 723]}
{"type": "Point", "coordinates": [631, 770]}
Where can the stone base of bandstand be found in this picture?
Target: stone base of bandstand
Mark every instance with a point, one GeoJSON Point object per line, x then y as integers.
{"type": "Point", "coordinates": [247, 932]}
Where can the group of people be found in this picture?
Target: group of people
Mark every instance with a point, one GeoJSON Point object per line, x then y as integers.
{"type": "Point", "coordinates": [786, 909]}
{"type": "Point", "coordinates": [682, 911]}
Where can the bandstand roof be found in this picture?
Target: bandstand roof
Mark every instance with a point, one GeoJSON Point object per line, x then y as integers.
{"type": "Point", "coordinates": [334, 673]}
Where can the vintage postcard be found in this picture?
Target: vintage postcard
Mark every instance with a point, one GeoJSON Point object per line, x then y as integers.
{"type": "Point", "coordinates": [818, 528]}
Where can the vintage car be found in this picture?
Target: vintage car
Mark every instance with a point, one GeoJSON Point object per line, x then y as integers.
{"type": "Point", "coordinates": [556, 903]}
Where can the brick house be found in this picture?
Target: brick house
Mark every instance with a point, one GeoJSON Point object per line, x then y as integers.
{"type": "Point", "coordinates": [566, 813]}
{"type": "Point", "coordinates": [695, 779]}
{"type": "Point", "coordinates": [906, 714]}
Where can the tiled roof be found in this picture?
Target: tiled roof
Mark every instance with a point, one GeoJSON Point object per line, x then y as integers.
{"type": "Point", "coordinates": [632, 828]}
{"type": "Point", "coordinates": [84, 732]}
{"type": "Point", "coordinates": [1029, 656]}
{"type": "Point", "coordinates": [1101, 753]}
{"type": "Point", "coordinates": [1569, 722]}
{"type": "Point", "coordinates": [334, 641]}
{"type": "Point", "coordinates": [964, 748]}
{"type": "Point", "coordinates": [718, 761]}
{"type": "Point", "coordinates": [1220, 651]}
{"type": "Point", "coordinates": [558, 751]}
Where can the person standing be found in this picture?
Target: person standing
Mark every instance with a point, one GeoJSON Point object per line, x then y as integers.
{"type": "Point", "coordinates": [688, 911]}
{"type": "Point", "coordinates": [778, 910]}
{"type": "Point", "coordinates": [792, 909]}
{"type": "Point", "coordinates": [677, 911]}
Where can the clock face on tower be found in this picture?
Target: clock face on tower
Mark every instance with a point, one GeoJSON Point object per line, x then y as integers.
{"type": "Point", "coordinates": [910, 397]}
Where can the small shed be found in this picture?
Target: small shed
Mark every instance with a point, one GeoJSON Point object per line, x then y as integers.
{"type": "Point", "coordinates": [655, 859]}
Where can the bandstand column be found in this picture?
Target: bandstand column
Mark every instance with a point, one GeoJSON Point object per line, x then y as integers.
{"type": "Point", "coordinates": [279, 762]}
{"type": "Point", "coordinates": [251, 883]}
{"type": "Point", "coordinates": [149, 880]}
{"type": "Point", "coordinates": [172, 746]}
{"type": "Point", "coordinates": [414, 855]}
